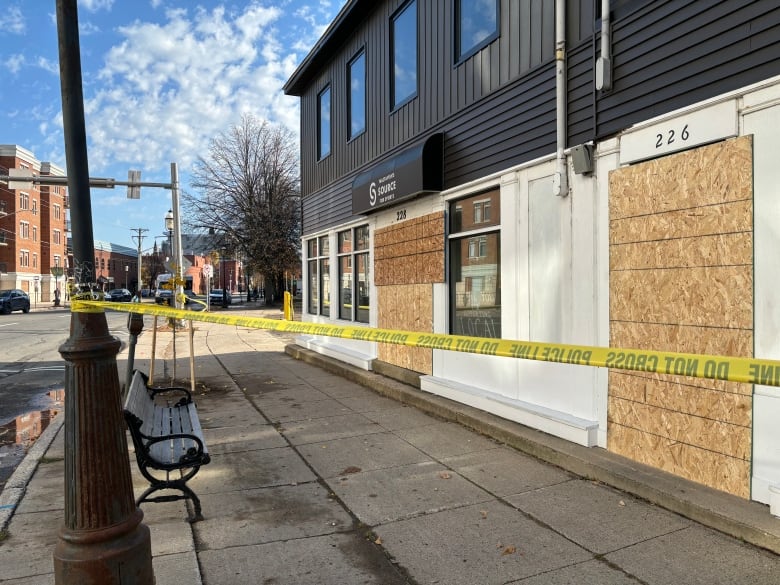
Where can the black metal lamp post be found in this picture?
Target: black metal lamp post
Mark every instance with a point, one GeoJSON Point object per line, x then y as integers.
{"type": "Point", "coordinates": [102, 539]}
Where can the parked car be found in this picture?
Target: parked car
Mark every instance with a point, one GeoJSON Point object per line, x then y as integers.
{"type": "Point", "coordinates": [163, 296]}
{"type": "Point", "coordinates": [14, 299]}
{"type": "Point", "coordinates": [215, 297]}
{"type": "Point", "coordinates": [119, 295]}
{"type": "Point", "coordinates": [192, 303]}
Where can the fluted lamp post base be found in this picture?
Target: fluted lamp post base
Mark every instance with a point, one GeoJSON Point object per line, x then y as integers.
{"type": "Point", "coordinates": [102, 540]}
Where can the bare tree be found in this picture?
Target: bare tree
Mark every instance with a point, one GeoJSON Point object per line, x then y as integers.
{"type": "Point", "coordinates": [248, 196]}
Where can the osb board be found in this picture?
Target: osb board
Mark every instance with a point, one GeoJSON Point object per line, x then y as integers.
{"type": "Point", "coordinates": [684, 338]}
{"type": "Point", "coordinates": [717, 173]}
{"type": "Point", "coordinates": [410, 252]}
{"type": "Point", "coordinates": [681, 279]}
{"type": "Point", "coordinates": [718, 436]}
{"type": "Point", "coordinates": [704, 466]}
{"type": "Point", "coordinates": [716, 250]}
{"type": "Point", "coordinates": [716, 296]}
{"type": "Point", "coordinates": [723, 218]}
{"type": "Point", "coordinates": [409, 308]}
{"type": "Point", "coordinates": [672, 393]}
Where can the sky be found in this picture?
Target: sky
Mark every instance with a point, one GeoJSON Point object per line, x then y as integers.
{"type": "Point", "coordinates": [161, 79]}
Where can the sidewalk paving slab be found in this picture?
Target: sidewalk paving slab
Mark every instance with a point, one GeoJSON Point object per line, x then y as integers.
{"type": "Point", "coordinates": [413, 490]}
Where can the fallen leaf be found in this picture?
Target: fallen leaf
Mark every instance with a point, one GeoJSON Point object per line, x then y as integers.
{"type": "Point", "coordinates": [622, 503]}
{"type": "Point", "coordinates": [351, 469]}
{"type": "Point", "coordinates": [444, 475]}
{"type": "Point", "coordinates": [484, 513]}
{"type": "Point", "coordinates": [510, 550]}
{"type": "Point", "coordinates": [378, 540]}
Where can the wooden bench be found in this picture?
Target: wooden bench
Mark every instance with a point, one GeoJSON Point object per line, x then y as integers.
{"type": "Point", "coordinates": [167, 437]}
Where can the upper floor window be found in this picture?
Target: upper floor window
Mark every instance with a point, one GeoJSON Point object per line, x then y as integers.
{"type": "Point", "coordinates": [24, 258]}
{"type": "Point", "coordinates": [476, 23]}
{"type": "Point", "coordinates": [57, 237]}
{"type": "Point", "coordinates": [35, 206]}
{"type": "Point", "coordinates": [35, 233]}
{"type": "Point", "coordinates": [24, 229]}
{"type": "Point", "coordinates": [323, 123]}
{"type": "Point", "coordinates": [404, 53]}
{"type": "Point", "coordinates": [24, 201]}
{"type": "Point", "coordinates": [357, 94]}
{"type": "Point", "coordinates": [56, 211]}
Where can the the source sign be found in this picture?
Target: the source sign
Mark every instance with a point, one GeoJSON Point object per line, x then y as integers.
{"type": "Point", "coordinates": [414, 171]}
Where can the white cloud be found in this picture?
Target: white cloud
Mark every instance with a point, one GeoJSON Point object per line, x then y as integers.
{"type": "Point", "coordinates": [87, 28]}
{"type": "Point", "coordinates": [47, 65]}
{"type": "Point", "coordinates": [12, 20]}
{"type": "Point", "coordinates": [95, 5]}
{"type": "Point", "coordinates": [169, 87]}
{"type": "Point", "coordinates": [15, 62]}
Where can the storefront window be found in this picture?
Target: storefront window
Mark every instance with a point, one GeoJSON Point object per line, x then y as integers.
{"type": "Point", "coordinates": [318, 251]}
{"type": "Point", "coordinates": [354, 276]}
{"type": "Point", "coordinates": [475, 266]}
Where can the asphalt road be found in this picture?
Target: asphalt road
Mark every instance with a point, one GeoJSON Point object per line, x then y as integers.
{"type": "Point", "coordinates": [32, 374]}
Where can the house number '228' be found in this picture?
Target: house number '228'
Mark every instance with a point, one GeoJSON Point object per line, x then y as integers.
{"type": "Point", "coordinates": [400, 215]}
{"type": "Point", "coordinates": [670, 136]}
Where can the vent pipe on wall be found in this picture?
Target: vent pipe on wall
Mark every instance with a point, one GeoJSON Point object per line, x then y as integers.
{"type": "Point", "coordinates": [604, 63]}
{"type": "Point", "coordinates": [560, 179]}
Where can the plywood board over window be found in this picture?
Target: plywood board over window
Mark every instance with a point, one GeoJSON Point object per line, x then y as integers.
{"type": "Point", "coordinates": [408, 259]}
{"type": "Point", "coordinates": [681, 279]}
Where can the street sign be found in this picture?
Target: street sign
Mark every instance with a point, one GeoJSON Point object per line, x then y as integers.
{"type": "Point", "coordinates": [170, 265]}
{"type": "Point", "coordinates": [133, 191]}
{"type": "Point", "coordinates": [208, 270]}
{"type": "Point", "coordinates": [20, 179]}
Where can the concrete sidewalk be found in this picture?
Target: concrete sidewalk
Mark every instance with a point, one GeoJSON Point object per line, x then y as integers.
{"type": "Point", "coordinates": [324, 474]}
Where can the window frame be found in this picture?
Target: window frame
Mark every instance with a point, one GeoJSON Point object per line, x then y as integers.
{"type": "Point", "coordinates": [352, 134]}
{"type": "Point", "coordinates": [394, 103]}
{"type": "Point", "coordinates": [458, 52]}
{"type": "Point", "coordinates": [468, 245]}
{"type": "Point", "coordinates": [320, 154]}
{"type": "Point", "coordinates": [351, 259]}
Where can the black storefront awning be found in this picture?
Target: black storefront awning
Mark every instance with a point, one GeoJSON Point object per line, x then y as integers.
{"type": "Point", "coordinates": [414, 171]}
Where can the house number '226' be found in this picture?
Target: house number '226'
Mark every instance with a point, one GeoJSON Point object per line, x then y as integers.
{"type": "Point", "coordinates": [400, 215]}
{"type": "Point", "coordinates": [670, 136]}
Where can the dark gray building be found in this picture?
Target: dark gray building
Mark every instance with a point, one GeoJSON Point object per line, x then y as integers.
{"type": "Point", "coordinates": [529, 170]}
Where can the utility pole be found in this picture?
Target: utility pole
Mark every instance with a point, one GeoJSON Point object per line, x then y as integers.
{"type": "Point", "coordinates": [140, 238]}
{"type": "Point", "coordinates": [102, 539]}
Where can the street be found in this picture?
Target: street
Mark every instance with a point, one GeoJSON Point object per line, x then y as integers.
{"type": "Point", "coordinates": [31, 377]}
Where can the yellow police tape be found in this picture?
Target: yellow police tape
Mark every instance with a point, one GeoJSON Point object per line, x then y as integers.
{"type": "Point", "coordinates": [732, 369]}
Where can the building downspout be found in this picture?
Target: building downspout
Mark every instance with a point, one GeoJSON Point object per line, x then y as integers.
{"type": "Point", "coordinates": [604, 63]}
{"type": "Point", "coordinates": [560, 179]}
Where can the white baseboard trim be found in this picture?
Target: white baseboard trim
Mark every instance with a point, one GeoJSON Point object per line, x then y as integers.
{"type": "Point", "coordinates": [323, 346]}
{"type": "Point", "coordinates": [560, 424]}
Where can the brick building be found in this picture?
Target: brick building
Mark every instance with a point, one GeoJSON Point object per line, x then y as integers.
{"type": "Point", "coordinates": [33, 240]}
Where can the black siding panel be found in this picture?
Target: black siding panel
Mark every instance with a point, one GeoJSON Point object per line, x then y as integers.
{"type": "Point", "coordinates": [446, 89]}
{"type": "Point", "coordinates": [668, 55]}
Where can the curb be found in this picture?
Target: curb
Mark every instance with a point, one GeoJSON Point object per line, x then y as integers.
{"type": "Point", "coordinates": [15, 488]}
{"type": "Point", "coordinates": [734, 516]}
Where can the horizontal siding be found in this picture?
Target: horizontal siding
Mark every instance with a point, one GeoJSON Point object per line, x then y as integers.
{"type": "Point", "coordinates": [667, 55]}
{"type": "Point", "coordinates": [497, 108]}
{"type": "Point", "coordinates": [580, 89]}
{"type": "Point", "coordinates": [447, 90]}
